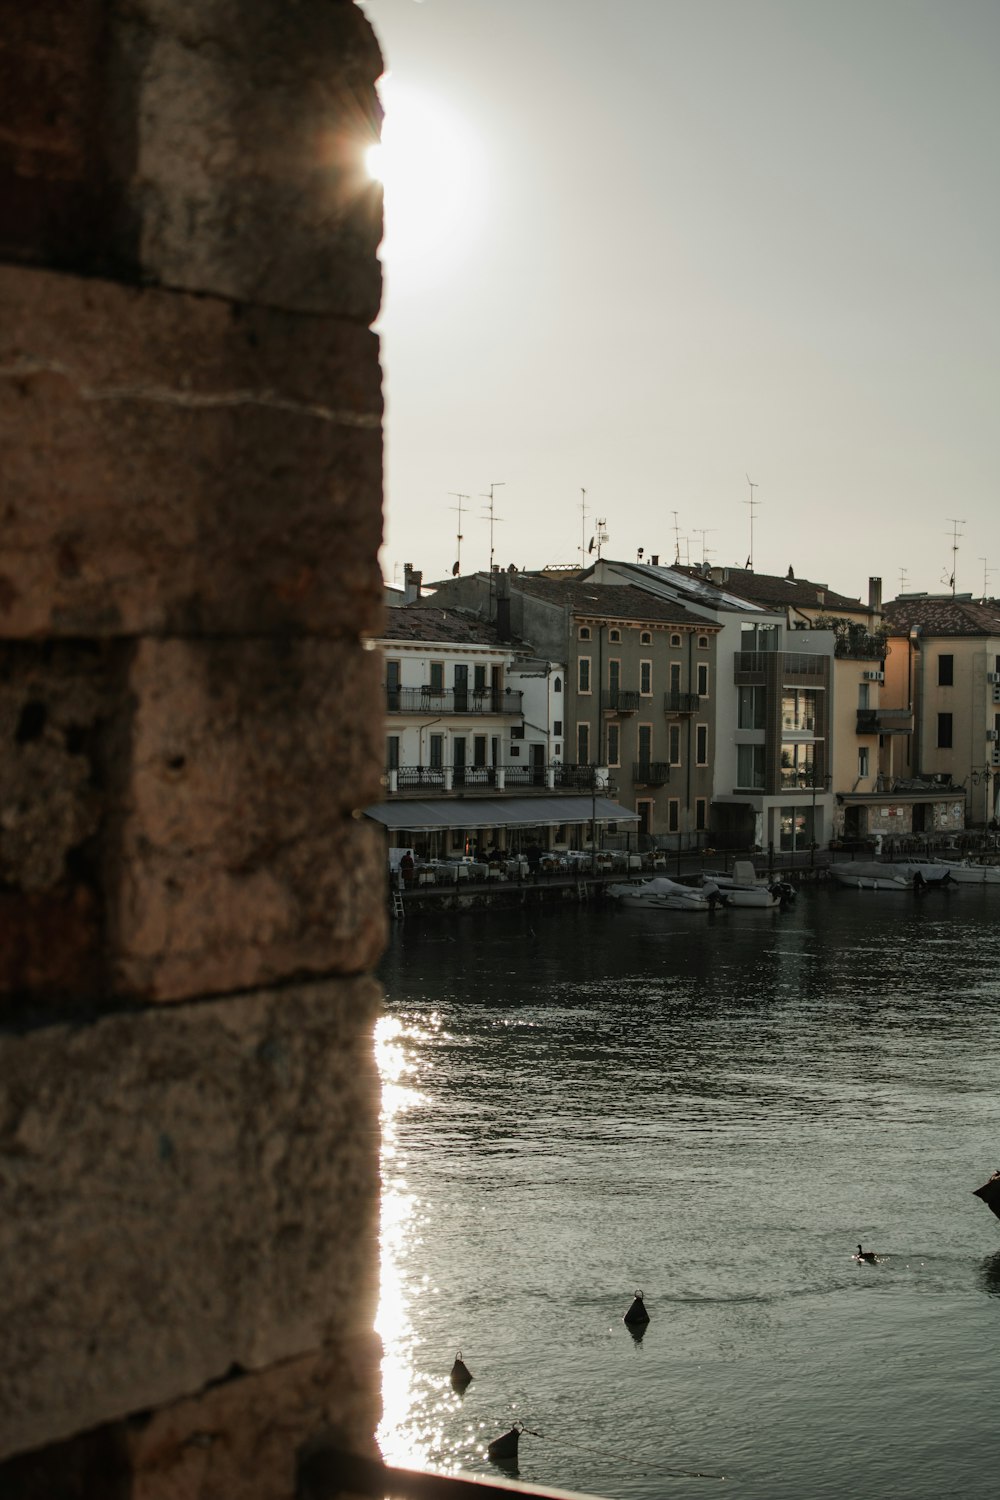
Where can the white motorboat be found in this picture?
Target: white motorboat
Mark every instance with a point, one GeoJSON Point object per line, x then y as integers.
{"type": "Point", "coordinates": [661, 894]}
{"type": "Point", "coordinates": [967, 872]}
{"type": "Point", "coordinates": [869, 876]}
{"type": "Point", "coordinates": [744, 887]}
{"type": "Point", "coordinates": [919, 871]}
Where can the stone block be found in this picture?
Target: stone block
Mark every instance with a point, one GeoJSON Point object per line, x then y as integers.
{"type": "Point", "coordinates": [216, 147]}
{"type": "Point", "coordinates": [184, 1190]}
{"type": "Point", "coordinates": [175, 464]}
{"type": "Point", "coordinates": [242, 862]}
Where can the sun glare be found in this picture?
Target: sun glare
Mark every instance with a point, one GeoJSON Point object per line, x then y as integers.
{"type": "Point", "coordinates": [431, 167]}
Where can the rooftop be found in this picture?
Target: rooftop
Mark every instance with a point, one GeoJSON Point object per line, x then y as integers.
{"type": "Point", "coordinates": [942, 614]}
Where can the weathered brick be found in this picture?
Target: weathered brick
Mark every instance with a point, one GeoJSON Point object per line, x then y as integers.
{"type": "Point", "coordinates": [242, 862]}
{"type": "Point", "coordinates": [183, 1190]}
{"type": "Point", "coordinates": [174, 464]}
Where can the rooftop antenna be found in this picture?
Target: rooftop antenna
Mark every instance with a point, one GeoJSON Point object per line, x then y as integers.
{"type": "Point", "coordinates": [954, 554]}
{"type": "Point", "coordinates": [583, 528]}
{"type": "Point", "coordinates": [600, 536]}
{"type": "Point", "coordinates": [458, 563]}
{"type": "Point", "coordinates": [677, 537]}
{"type": "Point", "coordinates": [986, 578]}
{"type": "Point", "coordinates": [703, 533]}
{"type": "Point", "coordinates": [902, 580]}
{"type": "Point", "coordinates": [751, 502]}
{"type": "Point", "coordinates": [491, 515]}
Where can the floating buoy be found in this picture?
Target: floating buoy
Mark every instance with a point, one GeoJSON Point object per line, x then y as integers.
{"type": "Point", "coordinates": [460, 1373]}
{"type": "Point", "coordinates": [637, 1312]}
{"type": "Point", "coordinates": [505, 1447]}
{"type": "Point", "coordinates": [990, 1194]}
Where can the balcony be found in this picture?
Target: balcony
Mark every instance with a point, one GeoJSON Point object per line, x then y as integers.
{"type": "Point", "coordinates": [422, 781]}
{"type": "Point", "coordinates": [680, 703]}
{"type": "Point", "coordinates": [426, 700]}
{"type": "Point", "coordinates": [885, 721]}
{"type": "Point", "coordinates": [618, 701]}
{"type": "Point", "coordinates": [757, 663]}
{"type": "Point", "coordinates": [650, 772]}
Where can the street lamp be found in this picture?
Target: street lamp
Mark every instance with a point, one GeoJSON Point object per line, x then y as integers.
{"type": "Point", "coordinates": [986, 777]}
{"type": "Point", "coordinates": [817, 782]}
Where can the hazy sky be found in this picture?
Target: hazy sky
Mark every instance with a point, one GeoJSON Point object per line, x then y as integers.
{"type": "Point", "coordinates": [666, 246]}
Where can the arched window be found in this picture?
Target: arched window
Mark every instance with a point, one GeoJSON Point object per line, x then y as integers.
{"type": "Point", "coordinates": [557, 685]}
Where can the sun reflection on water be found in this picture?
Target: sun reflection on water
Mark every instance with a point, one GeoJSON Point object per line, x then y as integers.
{"type": "Point", "coordinates": [402, 1440]}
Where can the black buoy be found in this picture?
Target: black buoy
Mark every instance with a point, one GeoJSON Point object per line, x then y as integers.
{"type": "Point", "coordinates": [461, 1375]}
{"type": "Point", "coordinates": [868, 1255]}
{"type": "Point", "coordinates": [637, 1312]}
{"type": "Point", "coordinates": [504, 1448]}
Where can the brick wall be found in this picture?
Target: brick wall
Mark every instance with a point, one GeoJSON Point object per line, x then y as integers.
{"type": "Point", "coordinates": [190, 492]}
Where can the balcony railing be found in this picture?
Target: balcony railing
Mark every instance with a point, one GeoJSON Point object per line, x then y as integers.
{"type": "Point", "coordinates": [650, 772]}
{"type": "Point", "coordinates": [680, 703]}
{"type": "Point", "coordinates": [803, 662]}
{"type": "Point", "coordinates": [619, 701]}
{"type": "Point", "coordinates": [885, 721]}
{"type": "Point", "coordinates": [423, 700]}
{"type": "Point", "coordinates": [555, 776]}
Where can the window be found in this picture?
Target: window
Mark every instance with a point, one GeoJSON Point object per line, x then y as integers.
{"type": "Point", "coordinates": [944, 732]}
{"type": "Point", "coordinates": [946, 672]}
{"type": "Point", "coordinates": [862, 761]}
{"type": "Point", "coordinates": [701, 814]}
{"type": "Point", "coordinates": [437, 751]}
{"type": "Point", "coordinates": [750, 766]}
{"type": "Point", "coordinates": [751, 705]}
{"type": "Point", "coordinates": [798, 710]}
{"type": "Point", "coordinates": [703, 679]}
{"type": "Point", "coordinates": [673, 815]}
{"type": "Point", "coordinates": [583, 744]}
{"type": "Point", "coordinates": [675, 679]}
{"type": "Point", "coordinates": [479, 750]}
{"type": "Point", "coordinates": [614, 635]}
{"type": "Point", "coordinates": [557, 726]}
{"type": "Point", "coordinates": [797, 764]}
{"type": "Point", "coordinates": [614, 678]}
{"type": "Point", "coordinates": [583, 678]}
{"type": "Point", "coordinates": [674, 744]}
{"type": "Point", "coordinates": [557, 685]}
{"type": "Point", "coordinates": [675, 640]}
{"type": "Point", "coordinates": [864, 695]}
{"type": "Point", "coordinates": [584, 632]}
{"type": "Point", "coordinates": [646, 679]}
{"type": "Point", "coordinates": [392, 752]}
{"type": "Point", "coordinates": [479, 678]}
{"type": "Point", "coordinates": [614, 745]}
{"type": "Point", "coordinates": [557, 751]}
{"type": "Point", "coordinates": [703, 642]}
{"type": "Point", "coordinates": [701, 745]}
{"type": "Point", "coordinates": [645, 638]}
{"type": "Point", "coordinates": [437, 677]}
{"type": "Point", "coordinates": [758, 637]}
{"type": "Point", "coordinates": [392, 692]}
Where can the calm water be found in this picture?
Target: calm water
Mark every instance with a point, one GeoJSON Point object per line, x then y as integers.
{"type": "Point", "coordinates": [714, 1110]}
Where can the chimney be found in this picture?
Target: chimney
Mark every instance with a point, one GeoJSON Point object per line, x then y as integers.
{"type": "Point", "coordinates": [412, 580]}
{"type": "Point", "coordinates": [655, 560]}
{"type": "Point", "coordinates": [875, 595]}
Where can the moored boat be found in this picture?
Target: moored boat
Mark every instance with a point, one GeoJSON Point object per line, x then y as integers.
{"type": "Point", "coordinates": [661, 893]}
{"type": "Point", "coordinates": [744, 887]}
{"type": "Point", "coordinates": [863, 875]}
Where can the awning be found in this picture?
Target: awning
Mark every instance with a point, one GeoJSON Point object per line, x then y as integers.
{"type": "Point", "coordinates": [498, 812]}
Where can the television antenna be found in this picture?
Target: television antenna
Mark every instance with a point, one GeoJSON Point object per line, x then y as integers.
{"type": "Point", "coordinates": [456, 570]}
{"type": "Point", "coordinates": [954, 555]}
{"type": "Point", "coordinates": [752, 502]}
{"type": "Point", "coordinates": [493, 518]}
{"type": "Point", "coordinates": [583, 528]}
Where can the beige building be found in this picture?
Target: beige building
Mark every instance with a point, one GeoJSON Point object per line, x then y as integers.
{"type": "Point", "coordinates": [945, 670]}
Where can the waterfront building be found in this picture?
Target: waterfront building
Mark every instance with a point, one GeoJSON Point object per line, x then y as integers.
{"type": "Point", "coordinates": [640, 678]}
{"type": "Point", "coordinates": [944, 669]}
{"type": "Point", "coordinates": [475, 742]}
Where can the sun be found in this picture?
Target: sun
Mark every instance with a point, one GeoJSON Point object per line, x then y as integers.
{"type": "Point", "coordinates": [432, 169]}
